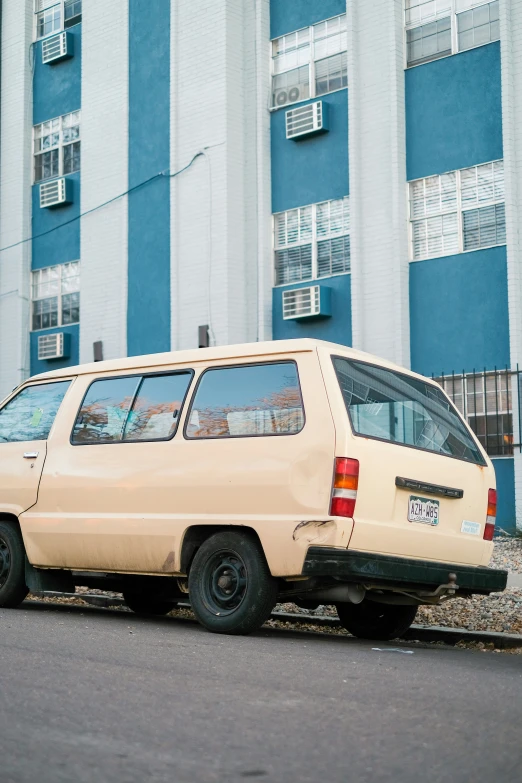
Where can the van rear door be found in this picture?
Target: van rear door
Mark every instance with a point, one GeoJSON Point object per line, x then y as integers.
{"type": "Point", "coordinates": [423, 479]}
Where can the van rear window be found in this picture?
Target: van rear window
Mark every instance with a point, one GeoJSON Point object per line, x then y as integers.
{"type": "Point", "coordinates": [397, 408]}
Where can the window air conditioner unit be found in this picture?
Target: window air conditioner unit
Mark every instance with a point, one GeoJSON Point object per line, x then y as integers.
{"type": "Point", "coordinates": [54, 346]}
{"type": "Point", "coordinates": [311, 302]}
{"type": "Point", "coordinates": [57, 47]}
{"type": "Point", "coordinates": [55, 193]}
{"type": "Point", "coordinates": [291, 95]}
{"type": "Point", "coordinates": [307, 120]}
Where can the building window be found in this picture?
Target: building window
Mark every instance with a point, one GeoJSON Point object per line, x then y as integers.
{"type": "Point", "coordinates": [72, 12]}
{"type": "Point", "coordinates": [458, 211]}
{"type": "Point", "coordinates": [56, 296]}
{"type": "Point", "coordinates": [436, 28]}
{"type": "Point", "coordinates": [478, 26]}
{"type": "Point", "coordinates": [484, 227]}
{"type": "Point", "coordinates": [52, 16]}
{"type": "Point", "coordinates": [429, 41]}
{"type": "Point", "coordinates": [312, 242]}
{"type": "Point", "coordinates": [57, 147]}
{"type": "Point", "coordinates": [484, 399]}
{"type": "Point", "coordinates": [309, 62]}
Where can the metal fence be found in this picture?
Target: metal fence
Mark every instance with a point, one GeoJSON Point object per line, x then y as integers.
{"type": "Point", "coordinates": [487, 400]}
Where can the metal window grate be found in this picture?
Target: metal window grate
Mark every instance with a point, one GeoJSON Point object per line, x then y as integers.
{"type": "Point", "coordinates": [51, 346]}
{"type": "Point", "coordinates": [301, 303]}
{"type": "Point", "coordinates": [486, 400]}
{"type": "Point", "coordinates": [304, 120]}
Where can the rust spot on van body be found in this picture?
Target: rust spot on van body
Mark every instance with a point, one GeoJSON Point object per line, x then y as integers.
{"type": "Point", "coordinates": [314, 530]}
{"type": "Point", "coordinates": [168, 565]}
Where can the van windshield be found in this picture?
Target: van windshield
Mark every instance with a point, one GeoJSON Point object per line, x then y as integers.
{"type": "Point", "coordinates": [397, 408]}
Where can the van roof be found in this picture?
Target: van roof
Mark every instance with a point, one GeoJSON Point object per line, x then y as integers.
{"type": "Point", "coordinates": [220, 352]}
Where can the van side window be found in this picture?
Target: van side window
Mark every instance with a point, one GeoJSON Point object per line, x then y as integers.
{"type": "Point", "coordinates": [131, 409]}
{"type": "Point", "coordinates": [262, 399]}
{"type": "Point", "coordinates": [156, 409]}
{"type": "Point", "coordinates": [30, 415]}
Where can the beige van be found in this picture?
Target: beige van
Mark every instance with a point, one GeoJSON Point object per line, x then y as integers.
{"type": "Point", "coordinates": [239, 476]}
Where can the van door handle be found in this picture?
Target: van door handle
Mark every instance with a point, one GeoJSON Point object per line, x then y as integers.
{"type": "Point", "coordinates": [30, 455]}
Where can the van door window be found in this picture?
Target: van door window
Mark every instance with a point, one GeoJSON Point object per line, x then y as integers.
{"type": "Point", "coordinates": [104, 410]}
{"type": "Point", "coordinates": [30, 415]}
{"type": "Point", "coordinates": [262, 399]}
{"type": "Point", "coordinates": [130, 409]}
{"type": "Point", "coordinates": [398, 408]}
{"type": "Point", "coordinates": [157, 407]}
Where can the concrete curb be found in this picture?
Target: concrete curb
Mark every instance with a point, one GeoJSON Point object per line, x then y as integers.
{"type": "Point", "coordinates": [421, 633]}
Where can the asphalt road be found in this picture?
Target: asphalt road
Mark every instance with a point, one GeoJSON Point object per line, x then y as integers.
{"type": "Point", "coordinates": [97, 696]}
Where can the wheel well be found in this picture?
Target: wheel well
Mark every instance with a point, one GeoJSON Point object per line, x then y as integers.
{"type": "Point", "coordinates": [194, 536]}
{"type": "Point", "coordinates": [10, 518]}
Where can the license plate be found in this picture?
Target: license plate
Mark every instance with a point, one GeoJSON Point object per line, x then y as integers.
{"type": "Point", "coordinates": [423, 510]}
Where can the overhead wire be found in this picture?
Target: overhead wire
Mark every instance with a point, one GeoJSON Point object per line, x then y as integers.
{"type": "Point", "coordinates": [145, 182]}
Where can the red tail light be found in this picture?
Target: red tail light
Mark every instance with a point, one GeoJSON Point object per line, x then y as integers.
{"type": "Point", "coordinates": [491, 517]}
{"type": "Point", "coordinates": [346, 482]}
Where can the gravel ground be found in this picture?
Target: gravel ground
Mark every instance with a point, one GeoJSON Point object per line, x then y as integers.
{"type": "Point", "coordinates": [507, 554]}
{"type": "Point", "coordinates": [499, 612]}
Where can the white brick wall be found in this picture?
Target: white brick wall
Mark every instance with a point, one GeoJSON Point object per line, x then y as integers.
{"type": "Point", "coordinates": [377, 154]}
{"type": "Point", "coordinates": [15, 191]}
{"type": "Point", "coordinates": [105, 122]}
{"type": "Point", "coordinates": [511, 40]}
{"type": "Point", "coordinates": [263, 173]}
{"type": "Point", "coordinates": [220, 219]}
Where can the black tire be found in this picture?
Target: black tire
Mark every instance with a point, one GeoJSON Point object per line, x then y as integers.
{"type": "Point", "coordinates": [231, 589]}
{"type": "Point", "coordinates": [13, 589]}
{"type": "Point", "coordinates": [147, 605]}
{"type": "Point", "coordinates": [370, 620]}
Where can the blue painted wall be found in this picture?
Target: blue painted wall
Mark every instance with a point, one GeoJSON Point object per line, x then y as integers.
{"type": "Point", "coordinates": [57, 88]}
{"type": "Point", "coordinates": [289, 15]}
{"type": "Point", "coordinates": [506, 515]}
{"type": "Point", "coordinates": [454, 112]}
{"type": "Point", "coordinates": [311, 169]}
{"type": "Point", "coordinates": [56, 91]}
{"type": "Point", "coordinates": [459, 312]}
{"type": "Point", "coordinates": [337, 328]}
{"type": "Point", "coordinates": [38, 366]}
{"type": "Point", "coordinates": [63, 242]}
{"type": "Point", "coordinates": [148, 310]}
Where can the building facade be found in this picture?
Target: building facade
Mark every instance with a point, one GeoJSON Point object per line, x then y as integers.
{"type": "Point", "coordinates": [177, 172]}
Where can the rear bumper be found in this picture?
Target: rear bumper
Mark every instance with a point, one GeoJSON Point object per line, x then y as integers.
{"type": "Point", "coordinates": [388, 570]}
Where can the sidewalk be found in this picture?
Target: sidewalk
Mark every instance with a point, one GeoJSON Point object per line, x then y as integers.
{"type": "Point", "coordinates": [514, 580]}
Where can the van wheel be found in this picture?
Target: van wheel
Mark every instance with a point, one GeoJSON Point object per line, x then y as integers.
{"type": "Point", "coordinates": [369, 620]}
{"type": "Point", "coordinates": [148, 605]}
{"type": "Point", "coordinates": [13, 589]}
{"type": "Point", "coordinates": [231, 589]}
